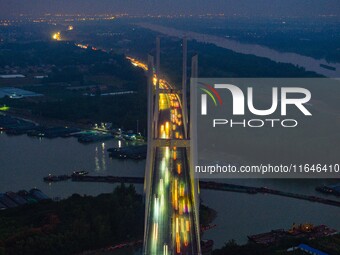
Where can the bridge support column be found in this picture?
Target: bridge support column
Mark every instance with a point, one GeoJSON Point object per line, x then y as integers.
{"type": "Point", "coordinates": [150, 150]}
{"type": "Point", "coordinates": [193, 141]}
{"type": "Point", "coordinates": [184, 88]}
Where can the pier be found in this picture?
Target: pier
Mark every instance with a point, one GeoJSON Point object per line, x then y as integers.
{"type": "Point", "coordinates": [206, 185]}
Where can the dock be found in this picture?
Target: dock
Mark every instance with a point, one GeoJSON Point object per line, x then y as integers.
{"type": "Point", "coordinates": [209, 185]}
{"type": "Point", "coordinates": [330, 189]}
{"type": "Point", "coordinates": [18, 126]}
{"type": "Point", "coordinates": [307, 231]}
{"type": "Point", "coordinates": [136, 152]}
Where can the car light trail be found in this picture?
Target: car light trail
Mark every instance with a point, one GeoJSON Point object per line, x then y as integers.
{"type": "Point", "coordinates": [171, 218]}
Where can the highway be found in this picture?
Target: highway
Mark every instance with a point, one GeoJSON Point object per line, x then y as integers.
{"type": "Point", "coordinates": [171, 221]}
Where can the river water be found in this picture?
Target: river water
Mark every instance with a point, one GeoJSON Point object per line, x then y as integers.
{"type": "Point", "coordinates": [310, 64]}
{"type": "Point", "coordinates": [24, 161]}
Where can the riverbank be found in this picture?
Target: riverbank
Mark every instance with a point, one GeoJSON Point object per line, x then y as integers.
{"type": "Point", "coordinates": [310, 64]}
{"type": "Point", "coordinates": [77, 224]}
{"type": "Point", "coordinates": [35, 158]}
{"type": "Point", "coordinates": [19, 126]}
{"type": "Point", "coordinates": [74, 224]}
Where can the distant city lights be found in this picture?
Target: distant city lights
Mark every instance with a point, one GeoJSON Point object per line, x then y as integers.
{"type": "Point", "coordinates": [4, 108]}
{"type": "Point", "coordinates": [56, 36]}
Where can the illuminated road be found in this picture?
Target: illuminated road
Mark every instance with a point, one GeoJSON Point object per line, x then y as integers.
{"type": "Point", "coordinates": [171, 227]}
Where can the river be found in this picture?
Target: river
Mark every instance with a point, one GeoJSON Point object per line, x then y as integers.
{"type": "Point", "coordinates": [24, 161]}
{"type": "Point", "coordinates": [310, 64]}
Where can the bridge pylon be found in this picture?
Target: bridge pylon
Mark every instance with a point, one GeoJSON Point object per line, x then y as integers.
{"type": "Point", "coordinates": [171, 191]}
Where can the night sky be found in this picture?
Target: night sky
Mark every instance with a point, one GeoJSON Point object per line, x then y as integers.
{"type": "Point", "coordinates": [267, 8]}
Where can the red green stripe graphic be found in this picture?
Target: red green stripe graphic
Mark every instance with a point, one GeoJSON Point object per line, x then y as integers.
{"type": "Point", "coordinates": [211, 92]}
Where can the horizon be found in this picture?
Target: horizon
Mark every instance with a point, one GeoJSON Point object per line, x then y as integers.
{"type": "Point", "coordinates": [229, 8]}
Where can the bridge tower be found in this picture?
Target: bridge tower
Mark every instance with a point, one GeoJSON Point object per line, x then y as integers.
{"type": "Point", "coordinates": [171, 191]}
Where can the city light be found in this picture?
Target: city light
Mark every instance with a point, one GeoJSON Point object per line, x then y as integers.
{"type": "Point", "coordinates": [56, 36]}
{"type": "Point", "coordinates": [137, 63]}
{"type": "Point", "coordinates": [82, 46]}
{"type": "Point", "coordinates": [171, 179]}
{"type": "Point", "coordinates": [4, 108]}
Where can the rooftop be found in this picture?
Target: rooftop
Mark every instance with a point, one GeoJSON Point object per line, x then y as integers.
{"type": "Point", "coordinates": [16, 93]}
